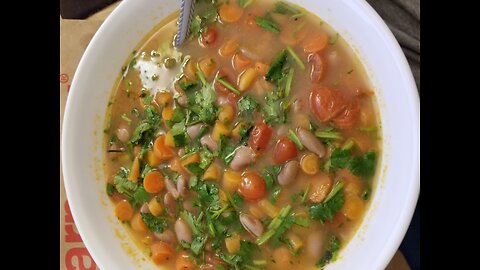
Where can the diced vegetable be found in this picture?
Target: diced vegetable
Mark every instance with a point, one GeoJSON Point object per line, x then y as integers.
{"type": "Point", "coordinates": [135, 170]}
{"type": "Point", "coordinates": [246, 79]}
{"type": "Point", "coordinates": [137, 224]}
{"type": "Point", "coordinates": [218, 130]}
{"type": "Point", "coordinates": [230, 12]}
{"type": "Point", "coordinates": [212, 172]}
{"type": "Point", "coordinates": [161, 252]}
{"type": "Point", "coordinates": [123, 210]}
{"type": "Point", "coordinates": [153, 182]}
{"type": "Point", "coordinates": [231, 180]}
{"type": "Point", "coordinates": [233, 243]}
{"type": "Point", "coordinates": [155, 207]}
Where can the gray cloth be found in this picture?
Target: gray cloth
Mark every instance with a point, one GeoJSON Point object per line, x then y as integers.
{"type": "Point", "coordinates": [403, 19]}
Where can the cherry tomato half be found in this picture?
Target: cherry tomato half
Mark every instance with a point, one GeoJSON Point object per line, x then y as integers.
{"type": "Point", "coordinates": [260, 136]}
{"type": "Point", "coordinates": [326, 103]}
{"type": "Point", "coordinates": [253, 186]}
{"type": "Point", "coordinates": [284, 150]}
{"type": "Point", "coordinates": [318, 67]}
{"type": "Point", "coordinates": [209, 37]}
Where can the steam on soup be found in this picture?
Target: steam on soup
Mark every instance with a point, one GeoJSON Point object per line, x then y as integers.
{"type": "Point", "coordinates": [251, 146]}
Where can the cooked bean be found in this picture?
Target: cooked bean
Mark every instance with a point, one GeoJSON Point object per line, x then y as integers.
{"type": "Point", "coordinates": [145, 208]}
{"type": "Point", "coordinates": [170, 203]}
{"type": "Point", "coordinates": [194, 130]}
{"type": "Point", "coordinates": [183, 231]}
{"type": "Point", "coordinates": [209, 142]}
{"type": "Point", "coordinates": [288, 172]}
{"type": "Point", "coordinates": [123, 134]}
{"type": "Point", "coordinates": [311, 142]}
{"type": "Point", "coordinates": [166, 236]}
{"type": "Point", "coordinates": [282, 130]}
{"type": "Point", "coordinates": [251, 224]}
{"type": "Point", "coordinates": [182, 100]}
{"type": "Point", "coordinates": [171, 188]}
{"type": "Point", "coordinates": [297, 106]}
{"type": "Point", "coordinates": [182, 185]}
{"type": "Point", "coordinates": [315, 243]}
{"type": "Point", "coordinates": [244, 155]}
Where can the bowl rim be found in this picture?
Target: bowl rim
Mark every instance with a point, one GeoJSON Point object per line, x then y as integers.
{"type": "Point", "coordinates": [368, 13]}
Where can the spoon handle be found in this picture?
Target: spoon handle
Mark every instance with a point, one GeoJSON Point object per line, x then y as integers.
{"type": "Point", "coordinates": [186, 14]}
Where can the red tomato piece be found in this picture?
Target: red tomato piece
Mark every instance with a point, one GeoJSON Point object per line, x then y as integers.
{"type": "Point", "coordinates": [326, 103]}
{"type": "Point", "coordinates": [253, 186]}
{"type": "Point", "coordinates": [260, 136]}
{"type": "Point", "coordinates": [209, 37]}
{"type": "Point", "coordinates": [284, 150]}
{"type": "Point", "coordinates": [318, 67]}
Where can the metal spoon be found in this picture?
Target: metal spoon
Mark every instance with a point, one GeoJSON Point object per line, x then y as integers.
{"type": "Point", "coordinates": [184, 20]}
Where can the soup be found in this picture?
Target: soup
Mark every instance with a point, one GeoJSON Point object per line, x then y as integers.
{"type": "Point", "coordinates": [251, 146]}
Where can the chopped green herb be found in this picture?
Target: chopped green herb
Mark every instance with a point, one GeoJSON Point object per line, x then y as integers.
{"type": "Point", "coordinates": [368, 129]}
{"type": "Point", "coordinates": [198, 243]}
{"type": "Point", "coordinates": [330, 253]}
{"type": "Point", "coordinates": [296, 58]}
{"type": "Point", "coordinates": [305, 193]}
{"type": "Point", "coordinates": [288, 84]}
{"type": "Point", "coordinates": [293, 137]}
{"type": "Point", "coordinates": [274, 73]}
{"type": "Point", "coordinates": [179, 134]}
{"type": "Point", "coordinates": [226, 151]}
{"type": "Point", "coordinates": [268, 24]}
{"type": "Point", "coordinates": [363, 165]}
{"type": "Point", "coordinates": [275, 192]}
{"type": "Point", "coordinates": [326, 211]}
{"type": "Point", "coordinates": [194, 168]}
{"type": "Point", "coordinates": [186, 86]}
{"type": "Point", "coordinates": [228, 86]}
{"type": "Point", "coordinates": [125, 117]}
{"type": "Point", "coordinates": [302, 221]}
{"type": "Point", "coordinates": [333, 39]}
{"type": "Point", "coordinates": [110, 189]}
{"type": "Point", "coordinates": [329, 134]}
{"type": "Point", "coordinates": [246, 106]}
{"type": "Point", "coordinates": [336, 188]}
{"type": "Point", "coordinates": [284, 8]}
{"type": "Point", "coordinates": [348, 144]}
{"type": "Point", "coordinates": [123, 185]}
{"type": "Point", "coordinates": [140, 196]}
{"type": "Point", "coordinates": [154, 224]}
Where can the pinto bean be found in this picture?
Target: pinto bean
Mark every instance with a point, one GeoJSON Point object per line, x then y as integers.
{"type": "Point", "coordinates": [194, 130]}
{"type": "Point", "coordinates": [209, 142]}
{"type": "Point", "coordinates": [171, 188]}
{"type": "Point", "coordinates": [183, 231]}
{"type": "Point", "coordinates": [244, 155]}
{"type": "Point", "coordinates": [170, 203]}
{"type": "Point", "coordinates": [123, 134]}
{"type": "Point", "coordinates": [288, 173]}
{"type": "Point", "coordinates": [251, 224]}
{"type": "Point", "coordinates": [311, 142]}
{"type": "Point", "coordinates": [166, 236]}
{"type": "Point", "coordinates": [145, 208]}
{"type": "Point", "coordinates": [182, 185]}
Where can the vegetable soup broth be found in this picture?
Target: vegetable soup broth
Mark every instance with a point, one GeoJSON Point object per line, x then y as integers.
{"type": "Point", "coordinates": [228, 153]}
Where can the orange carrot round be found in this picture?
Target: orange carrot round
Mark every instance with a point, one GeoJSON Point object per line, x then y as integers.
{"type": "Point", "coordinates": [161, 252]}
{"type": "Point", "coordinates": [153, 182]}
{"type": "Point", "coordinates": [123, 210]}
{"type": "Point", "coordinates": [230, 12]}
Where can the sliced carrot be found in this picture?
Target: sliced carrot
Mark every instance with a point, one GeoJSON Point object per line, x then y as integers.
{"type": "Point", "coordinates": [353, 207]}
{"type": "Point", "coordinates": [162, 151]}
{"type": "Point", "coordinates": [228, 48]}
{"type": "Point", "coordinates": [316, 44]}
{"type": "Point", "coordinates": [176, 166]}
{"type": "Point", "coordinates": [137, 224]}
{"type": "Point", "coordinates": [230, 12]}
{"type": "Point", "coordinates": [161, 252]}
{"type": "Point", "coordinates": [292, 34]}
{"type": "Point", "coordinates": [164, 98]}
{"type": "Point", "coordinates": [123, 210]}
{"type": "Point", "coordinates": [207, 65]}
{"type": "Point", "coordinates": [167, 113]}
{"type": "Point", "coordinates": [183, 262]}
{"type": "Point", "coordinates": [153, 182]}
{"type": "Point", "coordinates": [240, 61]}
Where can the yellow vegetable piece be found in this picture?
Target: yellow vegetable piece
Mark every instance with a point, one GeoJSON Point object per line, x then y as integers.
{"type": "Point", "coordinates": [169, 139]}
{"type": "Point", "coordinates": [220, 129]}
{"type": "Point", "coordinates": [256, 211]}
{"type": "Point", "coordinates": [246, 79]}
{"type": "Point", "coordinates": [167, 113]}
{"type": "Point", "coordinates": [164, 98]}
{"type": "Point", "coordinates": [233, 243]}
{"type": "Point", "coordinates": [195, 158]}
{"type": "Point", "coordinates": [135, 171]}
{"type": "Point", "coordinates": [269, 209]}
{"type": "Point", "coordinates": [353, 207]}
{"type": "Point", "coordinates": [152, 159]}
{"type": "Point", "coordinates": [207, 66]}
{"type": "Point", "coordinates": [295, 241]}
{"type": "Point", "coordinates": [231, 180]}
{"type": "Point", "coordinates": [310, 164]}
{"type": "Point", "coordinates": [212, 172]}
{"type": "Point", "coordinates": [155, 207]}
{"type": "Point", "coordinates": [227, 114]}
{"type": "Point", "coordinates": [190, 70]}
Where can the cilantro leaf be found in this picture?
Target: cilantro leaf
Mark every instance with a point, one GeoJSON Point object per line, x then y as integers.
{"type": "Point", "coordinates": [284, 8]}
{"type": "Point", "coordinates": [179, 134]}
{"type": "Point", "coordinates": [274, 73]}
{"type": "Point", "coordinates": [340, 159]}
{"type": "Point", "coordinates": [154, 224]}
{"type": "Point", "coordinates": [110, 188]}
{"type": "Point", "coordinates": [331, 252]}
{"type": "Point", "coordinates": [268, 24]}
{"type": "Point", "coordinates": [140, 196]}
{"type": "Point", "coordinates": [145, 131]}
{"type": "Point", "coordinates": [123, 185]}
{"type": "Point", "coordinates": [246, 106]}
{"type": "Point", "coordinates": [324, 211]}
{"type": "Point", "coordinates": [226, 151]}
{"type": "Point", "coordinates": [364, 165]}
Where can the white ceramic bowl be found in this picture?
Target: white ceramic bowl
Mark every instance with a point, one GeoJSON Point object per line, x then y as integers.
{"type": "Point", "coordinates": [393, 201]}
